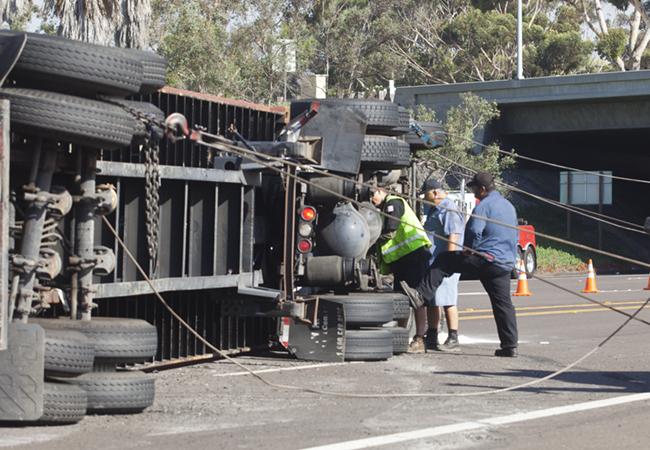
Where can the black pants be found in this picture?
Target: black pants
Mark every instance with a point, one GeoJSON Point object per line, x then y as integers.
{"type": "Point", "coordinates": [411, 268]}
{"type": "Point", "coordinates": [495, 280]}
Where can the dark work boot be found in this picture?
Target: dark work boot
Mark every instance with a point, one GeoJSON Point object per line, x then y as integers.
{"type": "Point", "coordinates": [431, 340]}
{"type": "Point", "coordinates": [506, 352]}
{"type": "Point", "coordinates": [414, 296]}
{"type": "Point", "coordinates": [451, 345]}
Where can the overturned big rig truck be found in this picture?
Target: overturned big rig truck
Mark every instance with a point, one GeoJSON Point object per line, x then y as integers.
{"type": "Point", "coordinates": [144, 226]}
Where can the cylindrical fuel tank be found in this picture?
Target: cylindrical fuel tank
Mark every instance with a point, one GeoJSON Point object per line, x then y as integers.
{"type": "Point", "coordinates": [344, 232]}
{"type": "Point", "coordinates": [374, 220]}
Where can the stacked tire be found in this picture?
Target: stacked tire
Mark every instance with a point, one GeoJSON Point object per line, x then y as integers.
{"type": "Point", "coordinates": [366, 337]}
{"type": "Point", "coordinates": [85, 83]}
{"type": "Point", "coordinates": [386, 121]}
{"type": "Point", "coordinates": [66, 91]}
{"type": "Point", "coordinates": [81, 367]}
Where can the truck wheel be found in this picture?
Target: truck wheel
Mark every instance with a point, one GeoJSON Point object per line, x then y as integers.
{"type": "Point", "coordinates": [368, 345]}
{"type": "Point", "coordinates": [67, 353]}
{"type": "Point", "coordinates": [400, 339]}
{"type": "Point", "coordinates": [401, 306]}
{"type": "Point", "coordinates": [140, 130]}
{"type": "Point", "coordinates": [381, 116]}
{"type": "Point", "coordinates": [118, 341]}
{"type": "Point", "coordinates": [63, 403]}
{"type": "Point", "coordinates": [365, 309]}
{"type": "Point", "coordinates": [76, 67]}
{"type": "Point", "coordinates": [404, 122]}
{"type": "Point", "coordinates": [63, 117]}
{"type": "Point", "coordinates": [384, 152]}
{"type": "Point", "coordinates": [530, 261]}
{"type": "Point", "coordinates": [154, 69]}
{"type": "Point", "coordinates": [117, 392]}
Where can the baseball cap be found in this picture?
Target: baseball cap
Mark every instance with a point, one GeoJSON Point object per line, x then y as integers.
{"type": "Point", "coordinates": [481, 179]}
{"type": "Point", "coordinates": [429, 185]}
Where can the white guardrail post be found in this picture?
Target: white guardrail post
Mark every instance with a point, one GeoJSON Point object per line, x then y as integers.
{"type": "Point", "coordinates": [4, 223]}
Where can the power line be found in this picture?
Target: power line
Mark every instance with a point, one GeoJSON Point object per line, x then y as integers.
{"type": "Point", "coordinates": [578, 211]}
{"type": "Point", "coordinates": [540, 161]}
{"type": "Point", "coordinates": [256, 156]}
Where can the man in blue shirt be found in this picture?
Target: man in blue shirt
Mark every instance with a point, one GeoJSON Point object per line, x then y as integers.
{"type": "Point", "coordinates": [491, 261]}
{"type": "Point", "coordinates": [445, 226]}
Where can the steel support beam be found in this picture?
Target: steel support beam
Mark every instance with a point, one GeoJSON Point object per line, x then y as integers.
{"type": "Point", "coordinates": [134, 170]}
{"type": "Point", "coordinates": [4, 223]}
{"type": "Point", "coordinates": [133, 288]}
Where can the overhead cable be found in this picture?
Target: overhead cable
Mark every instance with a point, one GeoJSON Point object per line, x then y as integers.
{"type": "Point", "coordinates": [546, 163]}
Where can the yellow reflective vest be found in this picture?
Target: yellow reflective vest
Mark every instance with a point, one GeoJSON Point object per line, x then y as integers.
{"type": "Point", "coordinates": [408, 237]}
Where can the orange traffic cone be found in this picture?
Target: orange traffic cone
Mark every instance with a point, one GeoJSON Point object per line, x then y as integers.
{"type": "Point", "coordinates": [647, 288]}
{"type": "Point", "coordinates": [590, 283]}
{"type": "Point", "coordinates": [522, 282]}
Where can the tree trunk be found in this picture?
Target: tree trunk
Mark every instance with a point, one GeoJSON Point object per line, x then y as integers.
{"type": "Point", "coordinates": [120, 23]}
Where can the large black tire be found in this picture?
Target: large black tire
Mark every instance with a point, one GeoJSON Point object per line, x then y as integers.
{"type": "Point", "coordinates": [365, 309]}
{"type": "Point", "coordinates": [381, 116]}
{"type": "Point", "coordinates": [404, 122]}
{"type": "Point", "coordinates": [401, 306]}
{"type": "Point", "coordinates": [65, 65]}
{"type": "Point", "coordinates": [400, 339]}
{"type": "Point", "coordinates": [368, 345]}
{"type": "Point", "coordinates": [119, 341]}
{"type": "Point", "coordinates": [63, 403]}
{"type": "Point", "coordinates": [68, 353]}
{"type": "Point", "coordinates": [117, 392]}
{"type": "Point", "coordinates": [154, 69]}
{"type": "Point", "coordinates": [63, 117]}
{"type": "Point", "coordinates": [146, 108]}
{"type": "Point", "coordinates": [384, 152]}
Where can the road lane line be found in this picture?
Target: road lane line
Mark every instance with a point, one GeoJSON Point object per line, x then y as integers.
{"type": "Point", "coordinates": [286, 369]}
{"type": "Point", "coordinates": [426, 433]}
{"type": "Point", "coordinates": [551, 313]}
{"type": "Point", "coordinates": [530, 308]}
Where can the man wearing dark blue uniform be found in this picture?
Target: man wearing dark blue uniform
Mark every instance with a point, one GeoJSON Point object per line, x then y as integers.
{"type": "Point", "coordinates": [491, 262]}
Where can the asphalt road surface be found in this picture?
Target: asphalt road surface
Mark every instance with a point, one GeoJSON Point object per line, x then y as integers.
{"type": "Point", "coordinates": [602, 402]}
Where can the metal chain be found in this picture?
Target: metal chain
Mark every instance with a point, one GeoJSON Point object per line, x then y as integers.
{"type": "Point", "coordinates": [151, 150]}
{"type": "Point", "coordinates": [152, 189]}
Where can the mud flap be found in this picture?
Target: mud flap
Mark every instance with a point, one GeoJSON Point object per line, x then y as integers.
{"type": "Point", "coordinates": [21, 374]}
{"type": "Point", "coordinates": [323, 341]}
{"type": "Point", "coordinates": [11, 46]}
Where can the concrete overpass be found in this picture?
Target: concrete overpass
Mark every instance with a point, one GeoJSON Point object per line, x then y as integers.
{"type": "Point", "coordinates": [591, 122]}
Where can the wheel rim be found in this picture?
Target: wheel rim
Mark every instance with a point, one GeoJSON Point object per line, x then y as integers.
{"type": "Point", "coordinates": [530, 262]}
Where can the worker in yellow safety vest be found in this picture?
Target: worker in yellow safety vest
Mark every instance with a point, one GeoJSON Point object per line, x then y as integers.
{"type": "Point", "coordinates": [403, 245]}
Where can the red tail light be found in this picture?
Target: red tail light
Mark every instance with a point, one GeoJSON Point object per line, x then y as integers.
{"type": "Point", "coordinates": [308, 213]}
{"type": "Point", "coordinates": [304, 245]}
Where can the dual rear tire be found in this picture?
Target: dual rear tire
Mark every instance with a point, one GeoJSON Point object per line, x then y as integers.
{"type": "Point", "coordinates": [81, 359]}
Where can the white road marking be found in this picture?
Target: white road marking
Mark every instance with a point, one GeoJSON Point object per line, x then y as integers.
{"type": "Point", "coordinates": [481, 424]}
{"type": "Point", "coordinates": [10, 441]}
{"type": "Point", "coordinates": [620, 290]}
{"type": "Point", "coordinates": [286, 369]}
{"type": "Point", "coordinates": [472, 293]}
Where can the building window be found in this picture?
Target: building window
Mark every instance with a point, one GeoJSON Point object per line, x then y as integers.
{"type": "Point", "coordinates": [585, 188]}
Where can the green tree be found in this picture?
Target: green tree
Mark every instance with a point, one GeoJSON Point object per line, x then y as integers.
{"type": "Point", "coordinates": [195, 44]}
{"type": "Point", "coordinates": [350, 43]}
{"type": "Point", "coordinates": [621, 40]}
{"type": "Point", "coordinates": [447, 42]}
{"type": "Point", "coordinates": [461, 150]}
